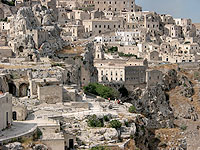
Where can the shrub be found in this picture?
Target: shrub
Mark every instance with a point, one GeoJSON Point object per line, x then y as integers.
{"type": "Point", "coordinates": [37, 135]}
{"type": "Point", "coordinates": [115, 124]}
{"type": "Point", "coordinates": [126, 123]}
{"type": "Point", "coordinates": [132, 109]}
{"type": "Point", "coordinates": [93, 121]}
{"type": "Point", "coordinates": [10, 3]}
{"type": "Point", "coordinates": [106, 118]}
{"type": "Point", "coordinates": [57, 64]}
{"type": "Point", "coordinates": [121, 54]}
{"type": "Point", "coordinates": [183, 127]}
{"type": "Point", "coordinates": [113, 49]}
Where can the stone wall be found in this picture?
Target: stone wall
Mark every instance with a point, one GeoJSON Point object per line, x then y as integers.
{"type": "Point", "coordinates": [50, 94]}
{"type": "Point", "coordinates": [55, 144]}
{"type": "Point", "coordinates": [21, 112]}
{"type": "Point", "coordinates": [154, 77]}
{"type": "Point", "coordinates": [5, 51]}
{"type": "Point", "coordinates": [80, 105]}
{"type": "Point", "coordinates": [135, 77]}
{"type": "Point", "coordinates": [5, 110]}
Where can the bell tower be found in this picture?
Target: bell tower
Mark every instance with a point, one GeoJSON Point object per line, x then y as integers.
{"type": "Point", "coordinates": [99, 53]}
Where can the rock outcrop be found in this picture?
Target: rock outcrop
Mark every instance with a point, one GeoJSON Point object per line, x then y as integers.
{"type": "Point", "coordinates": [39, 23]}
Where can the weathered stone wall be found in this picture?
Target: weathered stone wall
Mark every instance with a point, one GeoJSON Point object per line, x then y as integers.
{"type": "Point", "coordinates": [80, 105]}
{"type": "Point", "coordinates": [135, 76]}
{"type": "Point", "coordinates": [55, 144]}
{"type": "Point", "coordinates": [50, 94]}
{"type": "Point", "coordinates": [154, 77]}
{"type": "Point", "coordinates": [21, 112]}
{"type": "Point", "coordinates": [5, 110]}
{"type": "Point", "coordinates": [5, 52]}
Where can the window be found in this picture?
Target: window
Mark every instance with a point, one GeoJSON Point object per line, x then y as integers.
{"type": "Point", "coordinates": [95, 26]}
{"type": "Point", "coordinates": [102, 72]}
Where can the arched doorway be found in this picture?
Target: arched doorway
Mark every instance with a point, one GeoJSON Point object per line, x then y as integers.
{"type": "Point", "coordinates": [23, 89]}
{"type": "Point", "coordinates": [71, 144]}
{"type": "Point", "coordinates": [12, 89]}
{"type": "Point", "coordinates": [14, 115]}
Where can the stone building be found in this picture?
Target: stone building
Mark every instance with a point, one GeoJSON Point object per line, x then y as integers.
{"type": "Point", "coordinates": [116, 5]}
{"type": "Point", "coordinates": [47, 90]}
{"type": "Point", "coordinates": [73, 31]}
{"type": "Point", "coordinates": [96, 26]}
{"type": "Point", "coordinates": [113, 70]}
{"type": "Point", "coordinates": [5, 110]}
{"type": "Point", "coordinates": [50, 94]}
{"type": "Point", "coordinates": [173, 31]}
{"type": "Point", "coordinates": [5, 51]}
{"type": "Point", "coordinates": [154, 77]}
{"type": "Point", "coordinates": [128, 49]}
{"type": "Point", "coordinates": [19, 112]}
{"type": "Point", "coordinates": [135, 77]}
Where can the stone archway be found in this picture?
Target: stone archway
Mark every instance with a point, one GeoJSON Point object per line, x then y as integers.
{"type": "Point", "coordinates": [12, 89]}
{"type": "Point", "coordinates": [23, 89]}
{"type": "Point", "coordinates": [14, 115]}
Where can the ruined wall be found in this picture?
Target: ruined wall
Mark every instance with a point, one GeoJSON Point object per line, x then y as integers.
{"type": "Point", "coordinates": [50, 94]}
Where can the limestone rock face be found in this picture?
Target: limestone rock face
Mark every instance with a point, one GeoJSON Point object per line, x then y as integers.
{"type": "Point", "coordinates": [14, 146]}
{"type": "Point", "coordinates": [170, 80]}
{"type": "Point", "coordinates": [187, 87]}
{"type": "Point", "coordinates": [4, 83]}
{"type": "Point", "coordinates": [39, 24]}
{"type": "Point", "coordinates": [40, 147]}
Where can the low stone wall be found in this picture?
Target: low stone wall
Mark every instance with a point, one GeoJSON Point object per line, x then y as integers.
{"type": "Point", "coordinates": [27, 134]}
{"type": "Point", "coordinates": [80, 105]}
{"type": "Point", "coordinates": [189, 65]}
